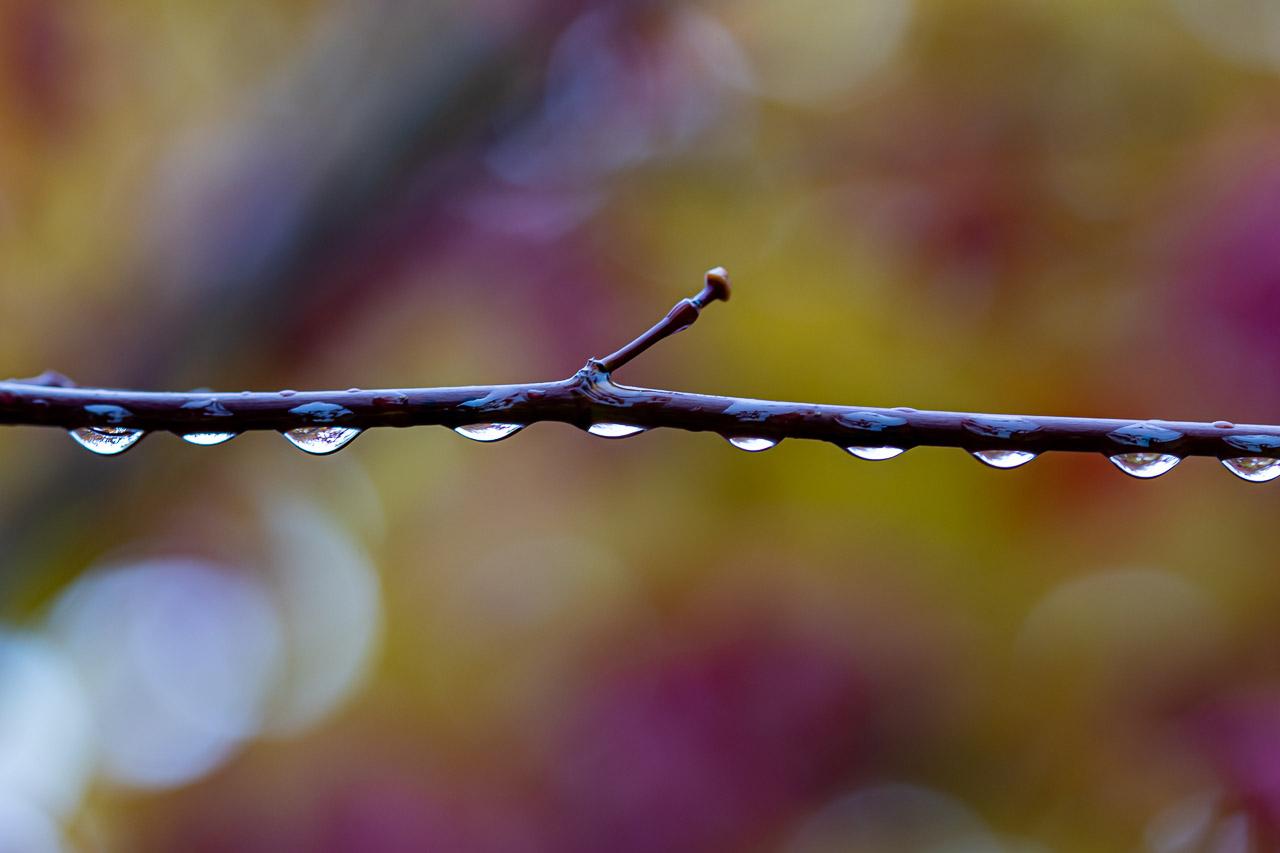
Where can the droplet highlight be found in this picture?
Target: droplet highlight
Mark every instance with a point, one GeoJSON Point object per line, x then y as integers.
{"type": "Point", "coordinates": [208, 439]}
{"type": "Point", "coordinates": [876, 454]}
{"type": "Point", "coordinates": [1145, 465]}
{"type": "Point", "coordinates": [615, 430]}
{"type": "Point", "coordinates": [1004, 459]}
{"type": "Point", "coordinates": [1255, 469]}
{"type": "Point", "coordinates": [321, 439]}
{"type": "Point", "coordinates": [752, 443]}
{"type": "Point", "coordinates": [106, 441]}
{"type": "Point", "coordinates": [488, 432]}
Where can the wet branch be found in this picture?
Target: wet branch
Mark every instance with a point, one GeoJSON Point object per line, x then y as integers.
{"type": "Point", "coordinates": [109, 421]}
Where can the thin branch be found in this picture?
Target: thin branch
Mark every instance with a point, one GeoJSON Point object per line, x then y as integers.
{"type": "Point", "coordinates": [322, 421]}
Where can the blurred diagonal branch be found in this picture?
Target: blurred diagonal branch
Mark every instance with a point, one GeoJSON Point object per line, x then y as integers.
{"type": "Point", "coordinates": [591, 400]}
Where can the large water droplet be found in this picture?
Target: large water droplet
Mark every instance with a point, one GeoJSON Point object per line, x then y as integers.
{"type": "Point", "coordinates": [488, 432]}
{"type": "Point", "coordinates": [321, 439]}
{"type": "Point", "coordinates": [208, 439]}
{"type": "Point", "coordinates": [1255, 469]}
{"type": "Point", "coordinates": [752, 443]}
{"type": "Point", "coordinates": [105, 440]}
{"type": "Point", "coordinates": [1144, 435]}
{"type": "Point", "coordinates": [1004, 458]}
{"type": "Point", "coordinates": [876, 454]}
{"type": "Point", "coordinates": [615, 430]}
{"type": "Point", "coordinates": [1145, 465]}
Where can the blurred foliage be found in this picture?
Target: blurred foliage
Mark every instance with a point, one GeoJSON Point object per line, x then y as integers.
{"type": "Point", "coordinates": [561, 643]}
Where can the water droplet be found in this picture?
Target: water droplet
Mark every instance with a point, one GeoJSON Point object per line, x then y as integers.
{"type": "Point", "coordinates": [1145, 465]}
{"type": "Point", "coordinates": [106, 441]}
{"type": "Point", "coordinates": [488, 432]}
{"type": "Point", "coordinates": [1004, 458]}
{"type": "Point", "coordinates": [1144, 435]}
{"type": "Point", "coordinates": [288, 392]}
{"type": "Point", "coordinates": [353, 390]}
{"type": "Point", "coordinates": [1253, 443]}
{"type": "Point", "coordinates": [876, 454]}
{"type": "Point", "coordinates": [871, 421]}
{"type": "Point", "coordinates": [1224, 425]}
{"type": "Point", "coordinates": [321, 439]}
{"type": "Point", "coordinates": [1255, 469]}
{"type": "Point", "coordinates": [999, 426]}
{"type": "Point", "coordinates": [208, 439]}
{"type": "Point", "coordinates": [752, 443]}
{"type": "Point", "coordinates": [614, 430]}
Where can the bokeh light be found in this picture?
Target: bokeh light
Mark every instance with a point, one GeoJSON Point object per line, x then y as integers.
{"type": "Point", "coordinates": [559, 641]}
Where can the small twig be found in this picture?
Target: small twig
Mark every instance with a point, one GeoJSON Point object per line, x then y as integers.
{"type": "Point", "coordinates": [322, 421]}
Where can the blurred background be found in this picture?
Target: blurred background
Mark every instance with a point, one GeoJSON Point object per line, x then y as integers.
{"type": "Point", "coordinates": [560, 643]}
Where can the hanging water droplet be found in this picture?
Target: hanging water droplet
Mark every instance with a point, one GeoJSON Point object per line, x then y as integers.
{"type": "Point", "coordinates": [321, 439]}
{"type": "Point", "coordinates": [752, 443]}
{"type": "Point", "coordinates": [208, 439]}
{"type": "Point", "coordinates": [488, 432]}
{"type": "Point", "coordinates": [614, 430]}
{"type": "Point", "coordinates": [106, 441]}
{"type": "Point", "coordinates": [1004, 458]}
{"type": "Point", "coordinates": [876, 454]}
{"type": "Point", "coordinates": [1145, 465]}
{"type": "Point", "coordinates": [1255, 469]}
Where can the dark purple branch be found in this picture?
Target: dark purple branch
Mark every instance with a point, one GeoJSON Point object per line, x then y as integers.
{"type": "Point", "coordinates": [591, 397]}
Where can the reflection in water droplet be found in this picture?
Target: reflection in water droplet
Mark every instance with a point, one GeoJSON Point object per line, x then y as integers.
{"type": "Point", "coordinates": [321, 413]}
{"type": "Point", "coordinates": [1145, 465]}
{"type": "Point", "coordinates": [321, 439]}
{"type": "Point", "coordinates": [208, 439]}
{"type": "Point", "coordinates": [106, 441]}
{"type": "Point", "coordinates": [1004, 458]}
{"type": "Point", "coordinates": [615, 430]}
{"type": "Point", "coordinates": [875, 454]}
{"type": "Point", "coordinates": [1255, 469]}
{"type": "Point", "coordinates": [1253, 443]}
{"type": "Point", "coordinates": [488, 432]}
{"type": "Point", "coordinates": [109, 413]}
{"type": "Point", "coordinates": [1144, 435]}
{"type": "Point", "coordinates": [873, 421]}
{"type": "Point", "coordinates": [999, 426]}
{"type": "Point", "coordinates": [752, 443]}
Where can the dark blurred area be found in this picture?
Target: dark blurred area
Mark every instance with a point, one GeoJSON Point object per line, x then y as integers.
{"type": "Point", "coordinates": [560, 643]}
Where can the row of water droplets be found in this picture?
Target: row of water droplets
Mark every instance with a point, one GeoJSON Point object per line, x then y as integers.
{"type": "Point", "coordinates": [324, 437]}
{"type": "Point", "coordinates": [1147, 461]}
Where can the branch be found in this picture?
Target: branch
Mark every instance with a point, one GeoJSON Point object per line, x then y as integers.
{"type": "Point", "coordinates": [111, 421]}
